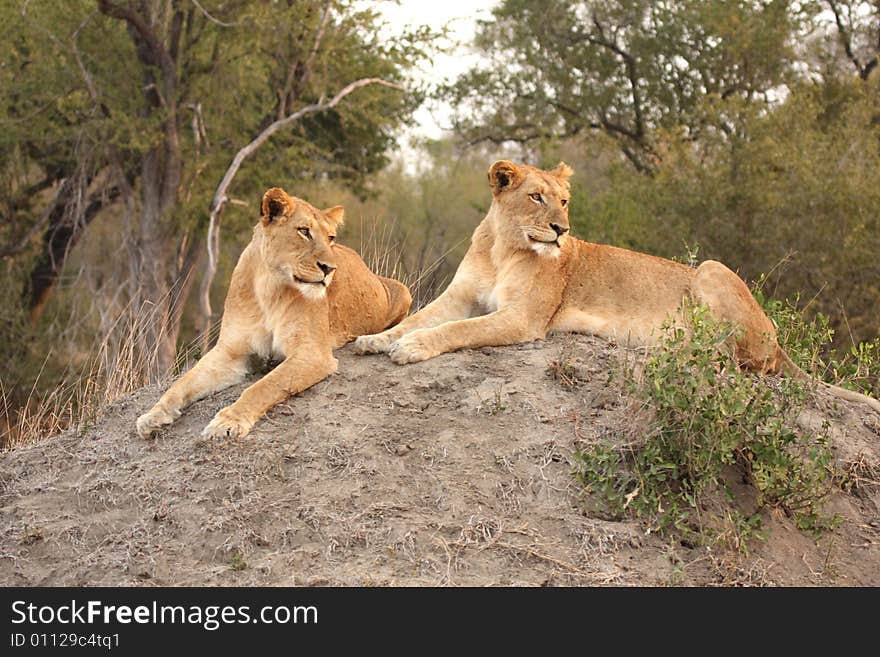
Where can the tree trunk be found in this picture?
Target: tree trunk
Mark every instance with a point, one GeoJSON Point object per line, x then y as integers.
{"type": "Point", "coordinates": [159, 283]}
{"type": "Point", "coordinates": [156, 282]}
{"type": "Point", "coordinates": [151, 287]}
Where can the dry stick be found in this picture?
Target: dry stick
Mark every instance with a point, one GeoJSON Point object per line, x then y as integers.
{"type": "Point", "coordinates": [570, 568]}
{"type": "Point", "coordinates": [220, 198]}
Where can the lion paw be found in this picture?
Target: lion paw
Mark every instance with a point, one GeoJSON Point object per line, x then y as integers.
{"type": "Point", "coordinates": [153, 420]}
{"type": "Point", "coordinates": [411, 348]}
{"type": "Point", "coordinates": [227, 424]}
{"type": "Point", "coordinates": [372, 344]}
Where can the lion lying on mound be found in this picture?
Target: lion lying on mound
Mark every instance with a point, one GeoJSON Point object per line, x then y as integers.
{"type": "Point", "coordinates": [295, 294]}
{"type": "Point", "coordinates": [524, 276]}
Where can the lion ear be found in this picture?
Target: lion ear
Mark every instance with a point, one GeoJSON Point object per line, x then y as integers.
{"type": "Point", "coordinates": [504, 175]}
{"type": "Point", "coordinates": [336, 215]}
{"type": "Point", "coordinates": [562, 171]}
{"type": "Point", "coordinates": [276, 203]}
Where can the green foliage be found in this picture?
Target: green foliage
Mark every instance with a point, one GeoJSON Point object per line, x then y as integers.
{"type": "Point", "coordinates": [859, 368]}
{"type": "Point", "coordinates": [236, 73]}
{"type": "Point", "coordinates": [712, 425]}
{"type": "Point", "coordinates": [809, 342]}
{"type": "Point", "coordinates": [803, 339]}
{"type": "Point", "coordinates": [76, 100]}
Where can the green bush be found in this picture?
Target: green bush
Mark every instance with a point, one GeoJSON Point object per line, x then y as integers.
{"type": "Point", "coordinates": [712, 425]}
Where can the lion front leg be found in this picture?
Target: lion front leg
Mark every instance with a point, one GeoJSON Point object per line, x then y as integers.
{"type": "Point", "coordinates": [290, 377]}
{"type": "Point", "coordinates": [218, 369]}
{"type": "Point", "coordinates": [508, 326]}
{"type": "Point", "coordinates": [449, 306]}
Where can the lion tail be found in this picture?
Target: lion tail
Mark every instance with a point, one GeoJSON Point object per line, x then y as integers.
{"type": "Point", "coordinates": [787, 366]}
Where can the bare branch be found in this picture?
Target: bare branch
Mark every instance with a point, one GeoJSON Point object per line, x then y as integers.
{"type": "Point", "coordinates": [211, 18]}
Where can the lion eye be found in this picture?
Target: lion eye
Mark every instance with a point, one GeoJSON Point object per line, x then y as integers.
{"type": "Point", "coordinates": [536, 197]}
{"type": "Point", "coordinates": [564, 202]}
{"type": "Point", "coordinates": [331, 238]}
{"type": "Point", "coordinates": [305, 232]}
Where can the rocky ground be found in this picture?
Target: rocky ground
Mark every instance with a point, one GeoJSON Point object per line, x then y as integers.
{"type": "Point", "coordinates": [455, 471]}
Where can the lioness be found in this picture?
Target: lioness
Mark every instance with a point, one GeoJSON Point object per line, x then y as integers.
{"type": "Point", "coordinates": [295, 294]}
{"type": "Point", "coordinates": [524, 276]}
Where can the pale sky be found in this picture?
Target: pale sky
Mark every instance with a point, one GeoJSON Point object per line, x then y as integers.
{"type": "Point", "coordinates": [461, 16]}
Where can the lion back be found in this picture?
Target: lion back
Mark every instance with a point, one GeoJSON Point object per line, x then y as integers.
{"type": "Point", "coordinates": [361, 302]}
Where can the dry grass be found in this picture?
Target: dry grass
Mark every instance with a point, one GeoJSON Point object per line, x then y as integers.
{"type": "Point", "coordinates": [563, 368]}
{"type": "Point", "coordinates": [384, 254]}
{"type": "Point", "coordinates": [517, 543]}
{"type": "Point", "coordinates": [115, 366]}
{"type": "Point", "coordinates": [859, 476]}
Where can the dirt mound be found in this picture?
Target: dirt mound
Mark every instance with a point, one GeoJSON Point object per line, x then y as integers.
{"type": "Point", "coordinates": [452, 471]}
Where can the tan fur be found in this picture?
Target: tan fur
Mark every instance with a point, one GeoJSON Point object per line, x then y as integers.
{"type": "Point", "coordinates": [518, 281]}
{"type": "Point", "coordinates": [282, 304]}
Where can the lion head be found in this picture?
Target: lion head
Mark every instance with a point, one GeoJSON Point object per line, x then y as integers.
{"type": "Point", "coordinates": [533, 205]}
{"type": "Point", "coordinates": [298, 241]}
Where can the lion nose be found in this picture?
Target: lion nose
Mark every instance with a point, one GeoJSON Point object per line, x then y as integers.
{"type": "Point", "coordinates": [327, 269]}
{"type": "Point", "coordinates": [559, 230]}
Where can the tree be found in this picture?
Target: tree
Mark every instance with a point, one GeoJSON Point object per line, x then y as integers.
{"type": "Point", "coordinates": [630, 69]}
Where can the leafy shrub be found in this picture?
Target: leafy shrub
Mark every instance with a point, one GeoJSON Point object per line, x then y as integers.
{"type": "Point", "coordinates": [712, 424]}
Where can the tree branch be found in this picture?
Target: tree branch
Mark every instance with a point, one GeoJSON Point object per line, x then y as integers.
{"type": "Point", "coordinates": [298, 74]}
{"type": "Point", "coordinates": [158, 55]}
{"type": "Point", "coordinates": [846, 41]}
{"type": "Point", "coordinates": [137, 23]}
{"type": "Point", "coordinates": [631, 74]}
